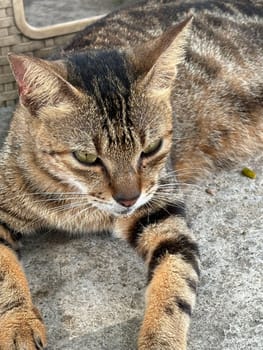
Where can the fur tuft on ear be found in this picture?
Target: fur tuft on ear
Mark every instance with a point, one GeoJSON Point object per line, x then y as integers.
{"type": "Point", "coordinates": [156, 61]}
{"type": "Point", "coordinates": [39, 82]}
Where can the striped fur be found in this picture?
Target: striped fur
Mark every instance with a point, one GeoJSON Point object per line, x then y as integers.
{"type": "Point", "coordinates": [155, 98]}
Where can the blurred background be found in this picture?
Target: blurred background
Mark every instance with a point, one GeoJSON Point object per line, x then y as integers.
{"type": "Point", "coordinates": [41, 13]}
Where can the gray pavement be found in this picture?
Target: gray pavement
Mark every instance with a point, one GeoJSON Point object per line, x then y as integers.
{"type": "Point", "coordinates": [90, 289]}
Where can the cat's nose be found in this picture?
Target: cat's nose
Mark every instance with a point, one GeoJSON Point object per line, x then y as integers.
{"type": "Point", "coordinates": [127, 202]}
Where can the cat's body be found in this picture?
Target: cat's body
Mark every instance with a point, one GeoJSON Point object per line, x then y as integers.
{"type": "Point", "coordinates": [94, 144]}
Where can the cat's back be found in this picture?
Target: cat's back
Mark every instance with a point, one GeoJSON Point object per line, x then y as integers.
{"type": "Point", "coordinates": [213, 19]}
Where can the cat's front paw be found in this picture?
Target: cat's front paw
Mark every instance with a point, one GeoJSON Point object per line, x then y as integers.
{"type": "Point", "coordinates": [161, 338]}
{"type": "Point", "coordinates": [22, 329]}
{"type": "Point", "coordinates": [153, 343]}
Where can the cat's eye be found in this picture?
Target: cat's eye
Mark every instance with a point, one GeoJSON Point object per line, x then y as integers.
{"type": "Point", "coordinates": [85, 157]}
{"type": "Point", "coordinates": [152, 148]}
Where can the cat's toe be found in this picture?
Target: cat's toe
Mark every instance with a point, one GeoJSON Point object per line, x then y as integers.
{"type": "Point", "coordinates": [22, 330]}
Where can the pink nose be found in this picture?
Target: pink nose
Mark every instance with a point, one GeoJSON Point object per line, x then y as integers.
{"type": "Point", "coordinates": [127, 202]}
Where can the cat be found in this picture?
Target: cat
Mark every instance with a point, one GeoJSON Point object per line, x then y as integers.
{"type": "Point", "coordinates": [140, 102]}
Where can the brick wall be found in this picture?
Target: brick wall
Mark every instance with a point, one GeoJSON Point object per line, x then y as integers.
{"type": "Point", "coordinates": [12, 40]}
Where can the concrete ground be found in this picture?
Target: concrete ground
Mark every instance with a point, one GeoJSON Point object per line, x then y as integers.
{"type": "Point", "coordinates": [90, 289]}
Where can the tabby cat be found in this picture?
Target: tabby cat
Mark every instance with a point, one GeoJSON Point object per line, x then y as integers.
{"type": "Point", "coordinates": [141, 101]}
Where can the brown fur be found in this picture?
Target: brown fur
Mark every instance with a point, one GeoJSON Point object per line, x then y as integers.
{"type": "Point", "coordinates": [197, 87]}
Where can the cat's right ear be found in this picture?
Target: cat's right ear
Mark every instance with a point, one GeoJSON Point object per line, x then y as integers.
{"type": "Point", "coordinates": [155, 62]}
{"type": "Point", "coordinates": [40, 82]}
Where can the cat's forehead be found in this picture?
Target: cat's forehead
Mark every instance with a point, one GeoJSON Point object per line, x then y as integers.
{"type": "Point", "coordinates": [112, 111]}
{"type": "Point", "coordinates": [106, 78]}
{"type": "Point", "coordinates": [101, 74]}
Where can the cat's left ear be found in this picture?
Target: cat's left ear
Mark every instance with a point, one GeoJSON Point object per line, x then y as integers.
{"type": "Point", "coordinates": [40, 82]}
{"type": "Point", "coordinates": [156, 61]}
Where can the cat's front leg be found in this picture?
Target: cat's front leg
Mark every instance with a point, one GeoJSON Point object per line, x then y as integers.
{"type": "Point", "coordinates": [21, 327]}
{"type": "Point", "coordinates": [172, 258]}
{"type": "Point", "coordinates": [171, 254]}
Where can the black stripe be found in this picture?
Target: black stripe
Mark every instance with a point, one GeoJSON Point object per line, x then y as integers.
{"type": "Point", "coordinates": [192, 284]}
{"type": "Point", "coordinates": [176, 209]}
{"type": "Point", "coordinates": [12, 305]}
{"type": "Point", "coordinates": [169, 310]}
{"type": "Point", "coordinates": [37, 314]}
{"type": "Point", "coordinates": [178, 245]}
{"type": "Point", "coordinates": [6, 243]}
{"type": "Point", "coordinates": [9, 245]}
{"type": "Point", "coordinates": [184, 306]}
{"type": "Point", "coordinates": [38, 341]}
{"type": "Point", "coordinates": [16, 236]}
{"type": "Point", "coordinates": [102, 73]}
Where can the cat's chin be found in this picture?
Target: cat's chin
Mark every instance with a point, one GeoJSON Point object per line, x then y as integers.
{"type": "Point", "coordinates": [125, 212]}
{"type": "Point", "coordinates": [119, 212]}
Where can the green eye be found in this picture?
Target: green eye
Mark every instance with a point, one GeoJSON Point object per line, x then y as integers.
{"type": "Point", "coordinates": [152, 148]}
{"type": "Point", "coordinates": [85, 158]}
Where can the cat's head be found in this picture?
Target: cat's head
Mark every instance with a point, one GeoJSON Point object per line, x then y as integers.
{"type": "Point", "coordinates": [98, 123]}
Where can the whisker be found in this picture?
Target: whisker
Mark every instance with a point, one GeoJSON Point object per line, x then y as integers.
{"type": "Point", "coordinates": [179, 186]}
{"type": "Point", "coordinates": [57, 199]}
{"type": "Point", "coordinates": [58, 209]}
{"type": "Point", "coordinates": [76, 215]}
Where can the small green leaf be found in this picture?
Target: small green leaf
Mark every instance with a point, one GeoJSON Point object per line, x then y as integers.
{"type": "Point", "coordinates": [249, 173]}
